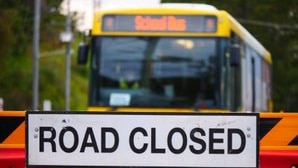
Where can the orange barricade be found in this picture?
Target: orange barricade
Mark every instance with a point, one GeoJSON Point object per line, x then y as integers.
{"type": "Point", "coordinates": [278, 140]}
{"type": "Point", "coordinates": [12, 139]}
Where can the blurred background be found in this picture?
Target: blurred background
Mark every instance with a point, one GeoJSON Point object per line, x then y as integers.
{"type": "Point", "coordinates": [273, 22]}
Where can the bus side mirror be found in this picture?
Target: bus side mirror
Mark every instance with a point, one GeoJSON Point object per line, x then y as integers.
{"type": "Point", "coordinates": [234, 55]}
{"type": "Point", "coordinates": [83, 53]}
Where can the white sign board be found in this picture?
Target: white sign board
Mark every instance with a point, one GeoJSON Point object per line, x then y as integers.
{"type": "Point", "coordinates": [142, 139]}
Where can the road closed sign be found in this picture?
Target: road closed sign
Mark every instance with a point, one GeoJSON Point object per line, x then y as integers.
{"type": "Point", "coordinates": [141, 139]}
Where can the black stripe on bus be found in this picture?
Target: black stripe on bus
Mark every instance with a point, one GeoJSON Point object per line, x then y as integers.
{"type": "Point", "coordinates": [294, 141]}
{"type": "Point", "coordinates": [8, 125]}
{"type": "Point", "coordinates": [267, 124]}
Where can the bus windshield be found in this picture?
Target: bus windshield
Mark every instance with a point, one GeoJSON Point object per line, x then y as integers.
{"type": "Point", "coordinates": [156, 72]}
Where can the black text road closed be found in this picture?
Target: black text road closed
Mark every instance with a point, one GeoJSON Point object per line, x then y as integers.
{"type": "Point", "coordinates": [142, 139]}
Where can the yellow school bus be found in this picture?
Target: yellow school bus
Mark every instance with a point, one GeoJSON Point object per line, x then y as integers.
{"type": "Point", "coordinates": [175, 57]}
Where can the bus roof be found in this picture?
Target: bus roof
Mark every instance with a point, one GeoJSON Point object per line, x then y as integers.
{"type": "Point", "coordinates": [181, 8]}
{"type": "Point", "coordinates": [236, 26]}
{"type": "Point", "coordinates": [249, 38]}
{"type": "Point", "coordinates": [189, 6]}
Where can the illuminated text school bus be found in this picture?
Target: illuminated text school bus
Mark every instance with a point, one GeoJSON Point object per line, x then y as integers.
{"type": "Point", "coordinates": [185, 57]}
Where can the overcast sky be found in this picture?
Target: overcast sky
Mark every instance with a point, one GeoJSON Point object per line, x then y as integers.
{"type": "Point", "coordinates": [85, 8]}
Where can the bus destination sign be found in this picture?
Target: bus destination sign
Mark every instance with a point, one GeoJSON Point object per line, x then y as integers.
{"type": "Point", "coordinates": [160, 23]}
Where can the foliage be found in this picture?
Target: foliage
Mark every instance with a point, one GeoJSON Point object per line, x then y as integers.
{"type": "Point", "coordinates": [16, 31]}
{"type": "Point", "coordinates": [15, 73]}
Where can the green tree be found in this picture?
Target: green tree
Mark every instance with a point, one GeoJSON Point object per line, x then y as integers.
{"type": "Point", "coordinates": [16, 32]}
{"type": "Point", "coordinates": [14, 46]}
